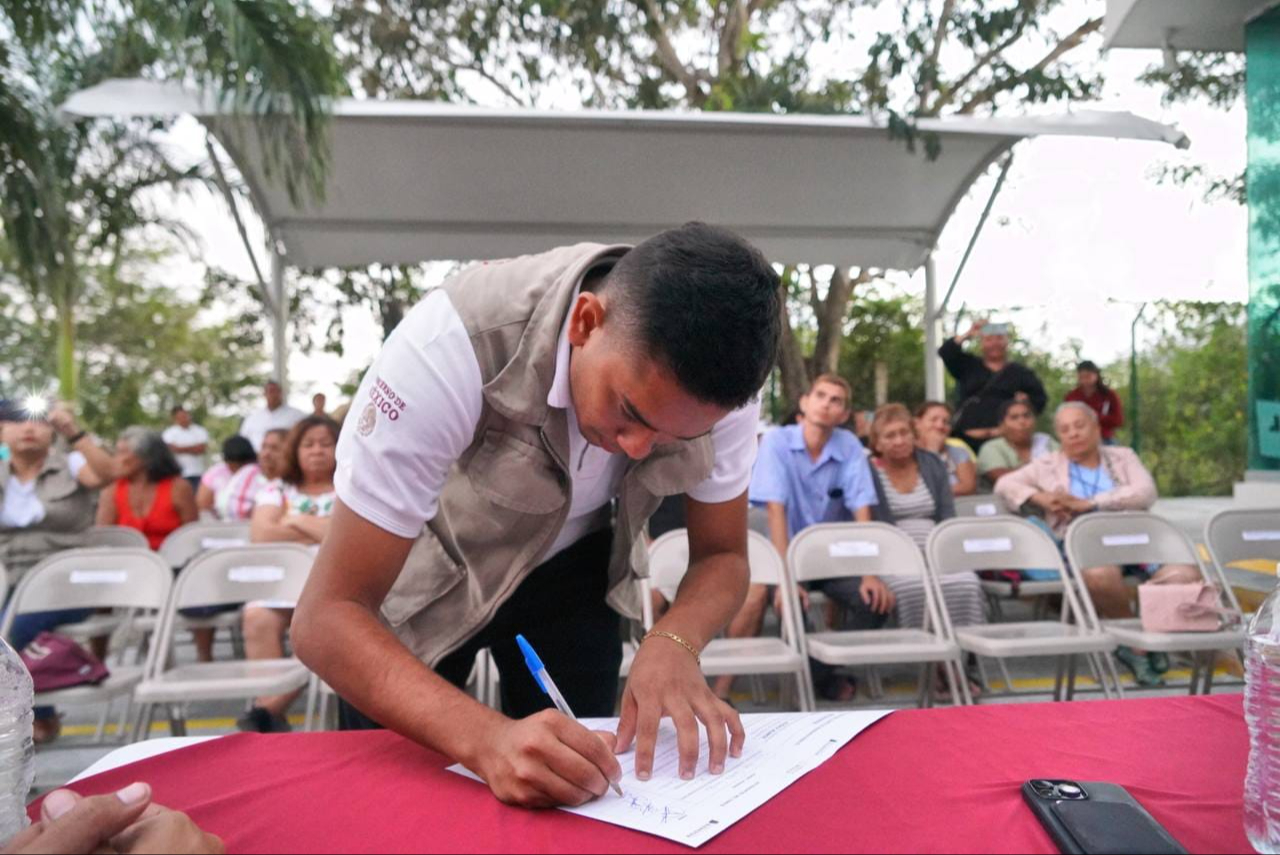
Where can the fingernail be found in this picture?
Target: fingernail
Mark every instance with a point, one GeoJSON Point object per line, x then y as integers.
{"type": "Point", "coordinates": [134, 793]}
{"type": "Point", "coordinates": [57, 803]}
{"type": "Point", "coordinates": [717, 768]}
{"type": "Point", "coordinates": [686, 774]}
{"type": "Point", "coordinates": [737, 752]}
{"type": "Point", "coordinates": [643, 776]}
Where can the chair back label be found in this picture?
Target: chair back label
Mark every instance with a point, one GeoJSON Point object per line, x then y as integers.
{"type": "Point", "coordinates": [988, 544]}
{"type": "Point", "coordinates": [1126, 540]}
{"type": "Point", "coordinates": [99, 577]}
{"type": "Point", "coordinates": [1256, 536]}
{"type": "Point", "coordinates": [222, 542]}
{"type": "Point", "coordinates": [258, 573]}
{"type": "Point", "coordinates": [988, 509]}
{"type": "Point", "coordinates": [854, 549]}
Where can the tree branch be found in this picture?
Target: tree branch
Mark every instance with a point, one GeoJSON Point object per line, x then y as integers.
{"type": "Point", "coordinates": [929, 71]}
{"type": "Point", "coordinates": [668, 58]}
{"type": "Point", "coordinates": [1069, 43]}
{"type": "Point", "coordinates": [948, 95]}
{"type": "Point", "coordinates": [735, 21]}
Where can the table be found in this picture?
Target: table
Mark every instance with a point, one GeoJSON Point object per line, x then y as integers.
{"type": "Point", "coordinates": [942, 780]}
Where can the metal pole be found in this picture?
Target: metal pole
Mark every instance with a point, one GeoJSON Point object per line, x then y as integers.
{"type": "Point", "coordinates": [977, 230]}
{"type": "Point", "coordinates": [934, 389]}
{"type": "Point", "coordinates": [279, 323]}
{"type": "Point", "coordinates": [1133, 381]}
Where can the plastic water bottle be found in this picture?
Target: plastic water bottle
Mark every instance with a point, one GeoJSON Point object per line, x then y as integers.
{"type": "Point", "coordinates": [17, 752]}
{"type": "Point", "coordinates": [1262, 711]}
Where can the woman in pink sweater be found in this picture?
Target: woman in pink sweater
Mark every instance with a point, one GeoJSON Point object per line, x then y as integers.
{"type": "Point", "coordinates": [1083, 477]}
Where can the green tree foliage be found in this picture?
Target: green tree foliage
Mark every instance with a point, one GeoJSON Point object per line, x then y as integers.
{"type": "Point", "coordinates": [70, 192]}
{"type": "Point", "coordinates": [1192, 384]}
{"type": "Point", "coordinates": [144, 349]}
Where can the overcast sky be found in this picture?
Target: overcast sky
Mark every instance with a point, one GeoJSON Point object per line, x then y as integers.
{"type": "Point", "coordinates": [1079, 221]}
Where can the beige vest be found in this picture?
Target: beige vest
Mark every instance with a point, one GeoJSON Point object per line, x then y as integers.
{"type": "Point", "coordinates": [68, 512]}
{"type": "Point", "coordinates": [509, 494]}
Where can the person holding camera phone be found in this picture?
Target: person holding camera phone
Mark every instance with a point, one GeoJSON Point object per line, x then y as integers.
{"type": "Point", "coordinates": [984, 383]}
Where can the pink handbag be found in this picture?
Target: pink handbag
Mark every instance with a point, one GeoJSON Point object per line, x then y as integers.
{"type": "Point", "coordinates": [57, 662]}
{"type": "Point", "coordinates": [1183, 608]}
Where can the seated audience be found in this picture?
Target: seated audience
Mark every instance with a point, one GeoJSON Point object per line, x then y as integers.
{"type": "Point", "coordinates": [229, 489]}
{"type": "Point", "coordinates": [149, 494]}
{"type": "Point", "coordinates": [933, 428]}
{"type": "Point", "coordinates": [807, 473]}
{"type": "Point", "coordinates": [914, 494]}
{"type": "Point", "coordinates": [295, 509]}
{"type": "Point", "coordinates": [1018, 444]}
{"type": "Point", "coordinates": [1084, 477]}
{"type": "Point", "coordinates": [1092, 390]}
{"type": "Point", "coordinates": [46, 506]}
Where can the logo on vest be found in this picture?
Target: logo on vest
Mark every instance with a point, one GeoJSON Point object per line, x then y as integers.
{"type": "Point", "coordinates": [368, 420]}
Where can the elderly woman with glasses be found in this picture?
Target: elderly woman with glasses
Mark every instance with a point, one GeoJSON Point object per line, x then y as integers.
{"type": "Point", "coordinates": [1083, 477]}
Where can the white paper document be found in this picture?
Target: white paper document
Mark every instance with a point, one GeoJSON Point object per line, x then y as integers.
{"type": "Point", "coordinates": [781, 748]}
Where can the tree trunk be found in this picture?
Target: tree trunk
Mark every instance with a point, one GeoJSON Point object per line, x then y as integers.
{"type": "Point", "coordinates": [791, 364]}
{"type": "Point", "coordinates": [834, 310]}
{"type": "Point", "coordinates": [66, 352]}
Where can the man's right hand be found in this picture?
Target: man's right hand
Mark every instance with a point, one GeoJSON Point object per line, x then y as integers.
{"type": "Point", "coordinates": [877, 595]}
{"type": "Point", "coordinates": [1050, 502]}
{"type": "Point", "coordinates": [547, 760]}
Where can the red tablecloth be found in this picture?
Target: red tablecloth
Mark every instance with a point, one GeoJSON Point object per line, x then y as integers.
{"type": "Point", "coordinates": [944, 780]}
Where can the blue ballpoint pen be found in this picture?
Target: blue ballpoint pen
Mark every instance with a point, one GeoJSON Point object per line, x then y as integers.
{"type": "Point", "coordinates": [548, 686]}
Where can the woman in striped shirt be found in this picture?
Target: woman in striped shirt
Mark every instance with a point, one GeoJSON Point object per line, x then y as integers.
{"type": "Point", "coordinates": [914, 493]}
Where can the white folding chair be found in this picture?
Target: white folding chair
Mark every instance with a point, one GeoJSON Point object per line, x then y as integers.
{"type": "Point", "coordinates": [1245, 536]}
{"type": "Point", "coordinates": [669, 561]}
{"type": "Point", "coordinates": [271, 573]}
{"type": "Point", "coordinates": [988, 505]}
{"type": "Point", "coordinates": [114, 537]}
{"type": "Point", "coordinates": [194, 538]}
{"type": "Point", "coordinates": [1010, 543]}
{"type": "Point", "coordinates": [130, 579]}
{"type": "Point", "coordinates": [839, 550]}
{"type": "Point", "coordinates": [1098, 540]}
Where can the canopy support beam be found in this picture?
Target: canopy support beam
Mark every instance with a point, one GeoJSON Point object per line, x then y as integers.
{"type": "Point", "coordinates": [934, 388]}
{"type": "Point", "coordinates": [279, 323]}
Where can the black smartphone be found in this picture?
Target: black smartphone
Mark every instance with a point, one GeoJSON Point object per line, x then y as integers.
{"type": "Point", "coordinates": [1093, 818]}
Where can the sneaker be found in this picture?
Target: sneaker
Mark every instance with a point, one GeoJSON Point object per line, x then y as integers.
{"type": "Point", "coordinates": [1159, 662]}
{"type": "Point", "coordinates": [1140, 666]}
{"type": "Point", "coordinates": [258, 720]}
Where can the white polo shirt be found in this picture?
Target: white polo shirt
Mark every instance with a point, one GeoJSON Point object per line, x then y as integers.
{"type": "Point", "coordinates": [427, 392]}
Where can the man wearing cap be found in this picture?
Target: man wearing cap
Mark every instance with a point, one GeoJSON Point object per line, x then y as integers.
{"type": "Point", "coordinates": [984, 383]}
{"type": "Point", "coordinates": [495, 474]}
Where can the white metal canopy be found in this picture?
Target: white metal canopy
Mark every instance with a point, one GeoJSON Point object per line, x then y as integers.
{"type": "Point", "coordinates": [1210, 25]}
{"type": "Point", "coordinates": [413, 181]}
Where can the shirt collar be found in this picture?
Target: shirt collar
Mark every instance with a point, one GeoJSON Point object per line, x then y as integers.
{"type": "Point", "coordinates": [560, 395]}
{"type": "Point", "coordinates": [831, 451]}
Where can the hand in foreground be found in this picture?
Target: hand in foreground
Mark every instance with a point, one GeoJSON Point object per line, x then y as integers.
{"type": "Point", "coordinates": [547, 760]}
{"type": "Point", "coordinates": [666, 681]}
{"type": "Point", "coordinates": [126, 822]}
{"type": "Point", "coordinates": [877, 595]}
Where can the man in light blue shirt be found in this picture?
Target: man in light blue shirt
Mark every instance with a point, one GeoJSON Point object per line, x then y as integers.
{"type": "Point", "coordinates": [808, 473]}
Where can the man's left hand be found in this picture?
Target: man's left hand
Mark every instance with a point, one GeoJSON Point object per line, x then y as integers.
{"type": "Point", "coordinates": [666, 681]}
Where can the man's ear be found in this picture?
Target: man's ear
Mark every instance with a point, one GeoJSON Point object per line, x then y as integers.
{"type": "Point", "coordinates": [586, 316]}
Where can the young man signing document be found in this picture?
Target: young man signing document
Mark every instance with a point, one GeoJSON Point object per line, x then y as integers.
{"type": "Point", "coordinates": [495, 474]}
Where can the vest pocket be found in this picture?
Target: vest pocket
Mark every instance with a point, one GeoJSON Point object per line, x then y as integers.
{"type": "Point", "coordinates": [428, 574]}
{"type": "Point", "coordinates": [516, 475]}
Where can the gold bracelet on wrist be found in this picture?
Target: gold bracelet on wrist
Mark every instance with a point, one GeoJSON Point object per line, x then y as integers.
{"type": "Point", "coordinates": [657, 633]}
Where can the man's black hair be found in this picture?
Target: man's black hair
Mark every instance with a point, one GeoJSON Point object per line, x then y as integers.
{"type": "Point", "coordinates": [237, 449]}
{"type": "Point", "coordinates": [706, 304]}
{"type": "Point", "coordinates": [177, 408]}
